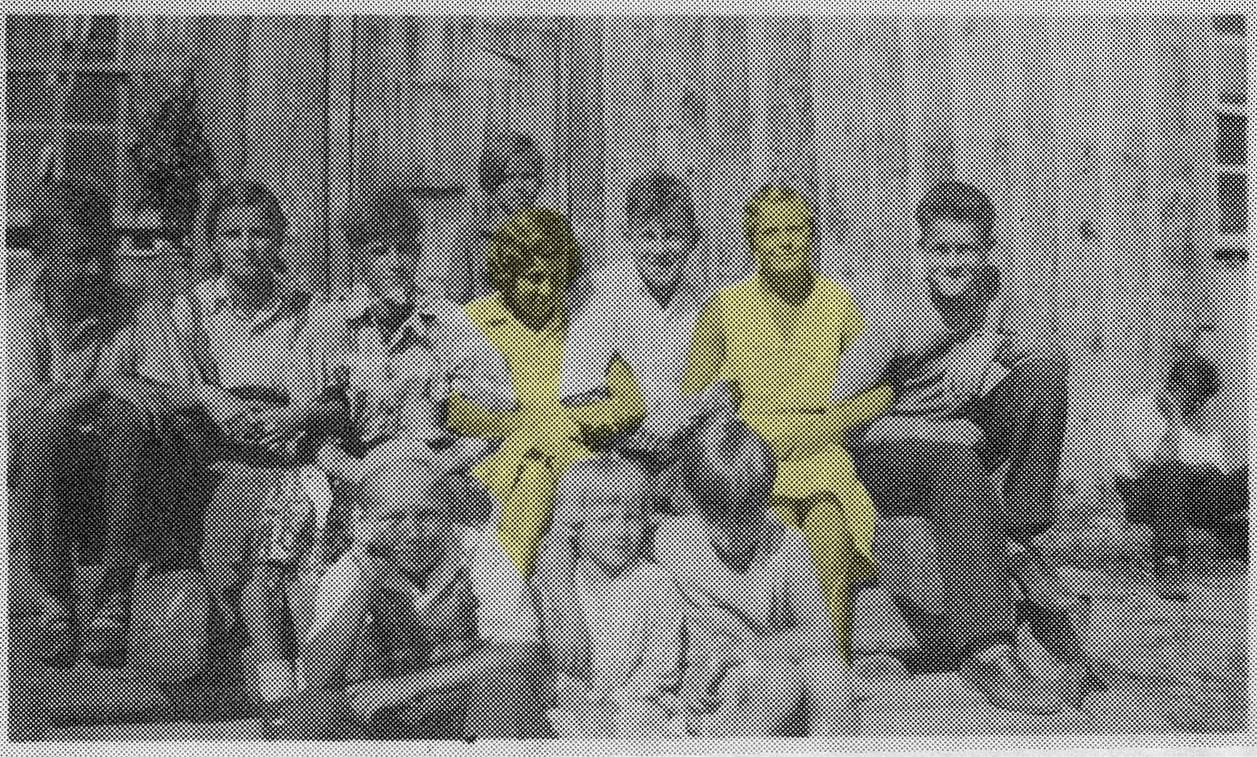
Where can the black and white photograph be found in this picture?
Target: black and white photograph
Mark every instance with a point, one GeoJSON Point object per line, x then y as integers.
{"type": "Point", "coordinates": [622, 378]}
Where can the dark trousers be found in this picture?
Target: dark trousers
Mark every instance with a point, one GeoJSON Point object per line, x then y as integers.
{"type": "Point", "coordinates": [943, 526]}
{"type": "Point", "coordinates": [82, 477]}
{"type": "Point", "coordinates": [1173, 497]}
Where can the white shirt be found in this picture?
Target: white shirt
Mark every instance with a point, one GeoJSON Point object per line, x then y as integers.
{"type": "Point", "coordinates": [635, 631]}
{"type": "Point", "coordinates": [503, 613]}
{"type": "Point", "coordinates": [621, 317]}
{"type": "Point", "coordinates": [395, 385]}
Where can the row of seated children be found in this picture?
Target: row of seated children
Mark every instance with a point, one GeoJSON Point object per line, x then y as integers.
{"type": "Point", "coordinates": [708, 624]}
{"type": "Point", "coordinates": [285, 390]}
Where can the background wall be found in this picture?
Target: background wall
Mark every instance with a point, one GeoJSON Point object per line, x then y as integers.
{"type": "Point", "coordinates": [1113, 147]}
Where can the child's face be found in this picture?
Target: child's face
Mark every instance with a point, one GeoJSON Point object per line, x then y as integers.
{"type": "Point", "coordinates": [535, 289]}
{"type": "Point", "coordinates": [612, 534]}
{"type": "Point", "coordinates": [955, 255]}
{"type": "Point", "coordinates": [392, 275]}
{"type": "Point", "coordinates": [247, 245]}
{"type": "Point", "coordinates": [781, 237]}
{"type": "Point", "coordinates": [407, 532]}
{"type": "Point", "coordinates": [660, 251]}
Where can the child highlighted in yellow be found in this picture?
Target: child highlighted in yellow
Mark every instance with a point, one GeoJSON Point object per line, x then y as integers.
{"type": "Point", "coordinates": [775, 338]}
{"type": "Point", "coordinates": [534, 260]}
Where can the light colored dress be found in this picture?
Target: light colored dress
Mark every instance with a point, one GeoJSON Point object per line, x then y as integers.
{"type": "Point", "coordinates": [783, 360]}
{"type": "Point", "coordinates": [524, 471]}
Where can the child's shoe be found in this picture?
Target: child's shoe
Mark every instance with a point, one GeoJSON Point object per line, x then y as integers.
{"type": "Point", "coordinates": [57, 639]}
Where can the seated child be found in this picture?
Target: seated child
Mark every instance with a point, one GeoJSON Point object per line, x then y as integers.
{"type": "Point", "coordinates": [403, 349]}
{"type": "Point", "coordinates": [762, 659]}
{"type": "Point", "coordinates": [254, 356]}
{"type": "Point", "coordinates": [610, 615]}
{"type": "Point", "coordinates": [83, 430]}
{"type": "Point", "coordinates": [1176, 455]}
{"type": "Point", "coordinates": [422, 629]}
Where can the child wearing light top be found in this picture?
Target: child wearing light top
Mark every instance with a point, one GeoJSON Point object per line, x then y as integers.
{"type": "Point", "coordinates": [534, 261]}
{"type": "Point", "coordinates": [255, 362]}
{"type": "Point", "coordinates": [403, 349]}
{"type": "Point", "coordinates": [641, 312]}
{"type": "Point", "coordinates": [422, 629]}
{"type": "Point", "coordinates": [762, 657]}
{"type": "Point", "coordinates": [611, 617]}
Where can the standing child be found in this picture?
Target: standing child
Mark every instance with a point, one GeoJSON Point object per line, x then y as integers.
{"type": "Point", "coordinates": [422, 629]}
{"type": "Point", "coordinates": [762, 657]}
{"type": "Point", "coordinates": [610, 615]}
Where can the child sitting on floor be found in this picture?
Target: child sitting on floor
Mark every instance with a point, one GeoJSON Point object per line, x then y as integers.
{"type": "Point", "coordinates": [762, 659]}
{"type": "Point", "coordinates": [422, 629]}
{"type": "Point", "coordinates": [611, 618]}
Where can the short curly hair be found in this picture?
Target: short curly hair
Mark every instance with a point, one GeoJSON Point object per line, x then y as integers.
{"type": "Point", "coordinates": [87, 211]}
{"type": "Point", "coordinates": [532, 232]}
{"type": "Point", "coordinates": [960, 202]}
{"type": "Point", "coordinates": [246, 194]}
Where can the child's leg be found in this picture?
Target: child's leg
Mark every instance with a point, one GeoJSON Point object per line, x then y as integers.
{"type": "Point", "coordinates": [124, 447]}
{"type": "Point", "coordinates": [526, 512]}
{"type": "Point", "coordinates": [836, 559]}
{"type": "Point", "coordinates": [268, 621]}
{"type": "Point", "coordinates": [41, 447]}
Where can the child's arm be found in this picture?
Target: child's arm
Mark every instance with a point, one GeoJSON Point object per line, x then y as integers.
{"type": "Point", "coordinates": [864, 364]}
{"type": "Point", "coordinates": [502, 666]}
{"type": "Point", "coordinates": [622, 408]}
{"type": "Point", "coordinates": [468, 418]}
{"type": "Point", "coordinates": [807, 431]}
{"type": "Point", "coordinates": [501, 670]}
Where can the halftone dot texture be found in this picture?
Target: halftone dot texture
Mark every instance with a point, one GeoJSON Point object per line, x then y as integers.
{"type": "Point", "coordinates": [1016, 534]}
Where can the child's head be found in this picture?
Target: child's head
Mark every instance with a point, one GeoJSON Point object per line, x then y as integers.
{"type": "Point", "coordinates": [611, 493]}
{"type": "Point", "coordinates": [386, 235]}
{"type": "Point", "coordinates": [399, 517]}
{"type": "Point", "coordinates": [779, 230]}
{"type": "Point", "coordinates": [957, 224]}
{"type": "Point", "coordinates": [729, 472]}
{"type": "Point", "coordinates": [1191, 381]}
{"type": "Point", "coordinates": [510, 171]}
{"type": "Point", "coordinates": [532, 260]}
{"type": "Point", "coordinates": [246, 227]}
{"type": "Point", "coordinates": [660, 227]}
{"type": "Point", "coordinates": [74, 239]}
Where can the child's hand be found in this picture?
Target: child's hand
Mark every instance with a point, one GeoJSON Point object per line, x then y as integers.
{"type": "Point", "coordinates": [277, 425]}
{"type": "Point", "coordinates": [380, 570]}
{"type": "Point", "coordinates": [334, 461]}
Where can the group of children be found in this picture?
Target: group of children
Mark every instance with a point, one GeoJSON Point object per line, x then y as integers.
{"type": "Point", "coordinates": [541, 499]}
{"type": "Point", "coordinates": [382, 474]}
